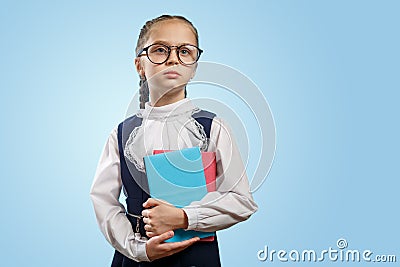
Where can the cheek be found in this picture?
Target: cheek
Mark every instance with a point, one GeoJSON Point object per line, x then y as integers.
{"type": "Point", "coordinates": [150, 69]}
{"type": "Point", "coordinates": [188, 72]}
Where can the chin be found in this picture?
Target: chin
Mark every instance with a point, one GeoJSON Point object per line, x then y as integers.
{"type": "Point", "coordinates": [173, 84]}
{"type": "Point", "coordinates": [167, 89]}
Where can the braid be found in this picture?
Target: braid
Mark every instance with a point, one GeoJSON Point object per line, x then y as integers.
{"type": "Point", "coordinates": [143, 36]}
{"type": "Point", "coordinates": [143, 92]}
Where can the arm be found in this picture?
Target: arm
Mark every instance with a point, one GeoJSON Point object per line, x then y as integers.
{"type": "Point", "coordinates": [110, 213]}
{"type": "Point", "coordinates": [232, 202]}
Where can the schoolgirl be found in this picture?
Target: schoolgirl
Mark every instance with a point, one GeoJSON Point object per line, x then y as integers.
{"type": "Point", "coordinates": [167, 54]}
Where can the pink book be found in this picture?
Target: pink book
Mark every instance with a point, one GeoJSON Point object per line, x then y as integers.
{"type": "Point", "coordinates": [210, 172]}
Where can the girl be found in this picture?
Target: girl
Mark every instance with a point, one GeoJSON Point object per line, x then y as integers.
{"type": "Point", "coordinates": [167, 54]}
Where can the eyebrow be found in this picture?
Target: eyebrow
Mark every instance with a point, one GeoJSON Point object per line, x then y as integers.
{"type": "Point", "coordinates": [168, 43]}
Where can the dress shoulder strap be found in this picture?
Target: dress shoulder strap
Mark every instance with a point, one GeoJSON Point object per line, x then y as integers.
{"type": "Point", "coordinates": [205, 118]}
{"type": "Point", "coordinates": [124, 130]}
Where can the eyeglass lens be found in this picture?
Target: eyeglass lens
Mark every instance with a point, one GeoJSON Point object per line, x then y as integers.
{"type": "Point", "coordinates": [159, 53]}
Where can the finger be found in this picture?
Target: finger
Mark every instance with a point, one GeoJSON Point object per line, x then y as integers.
{"type": "Point", "coordinates": [146, 220]}
{"type": "Point", "coordinates": [185, 243]}
{"type": "Point", "coordinates": [164, 236]}
{"type": "Point", "coordinates": [176, 247]}
{"type": "Point", "coordinates": [151, 202]}
{"type": "Point", "coordinates": [151, 234]}
{"type": "Point", "coordinates": [145, 213]}
{"type": "Point", "coordinates": [147, 227]}
{"type": "Point", "coordinates": [162, 201]}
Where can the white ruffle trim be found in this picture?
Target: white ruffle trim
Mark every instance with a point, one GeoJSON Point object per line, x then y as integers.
{"type": "Point", "coordinates": [135, 150]}
{"type": "Point", "coordinates": [129, 151]}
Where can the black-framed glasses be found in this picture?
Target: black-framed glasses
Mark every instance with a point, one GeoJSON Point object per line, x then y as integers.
{"type": "Point", "coordinates": [159, 53]}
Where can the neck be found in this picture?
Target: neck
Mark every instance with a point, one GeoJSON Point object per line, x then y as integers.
{"type": "Point", "coordinates": [169, 98]}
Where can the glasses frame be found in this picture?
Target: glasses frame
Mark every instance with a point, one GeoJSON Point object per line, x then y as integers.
{"type": "Point", "coordinates": [178, 47]}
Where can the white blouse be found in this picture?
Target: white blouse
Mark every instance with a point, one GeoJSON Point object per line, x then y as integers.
{"type": "Point", "coordinates": [171, 127]}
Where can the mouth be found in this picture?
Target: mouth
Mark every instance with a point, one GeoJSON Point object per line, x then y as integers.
{"type": "Point", "coordinates": [172, 74]}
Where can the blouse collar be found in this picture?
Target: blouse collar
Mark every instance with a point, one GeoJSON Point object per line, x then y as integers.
{"type": "Point", "coordinates": [179, 108]}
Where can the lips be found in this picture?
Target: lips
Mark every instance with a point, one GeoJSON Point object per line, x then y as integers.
{"type": "Point", "coordinates": [171, 72]}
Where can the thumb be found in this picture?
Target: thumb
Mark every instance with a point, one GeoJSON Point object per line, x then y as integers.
{"type": "Point", "coordinates": [164, 236]}
{"type": "Point", "coordinates": [151, 202]}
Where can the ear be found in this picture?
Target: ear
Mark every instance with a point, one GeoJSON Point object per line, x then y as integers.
{"type": "Point", "coordinates": [139, 67]}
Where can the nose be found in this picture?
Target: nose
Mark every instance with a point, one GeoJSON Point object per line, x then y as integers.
{"type": "Point", "coordinates": [173, 57]}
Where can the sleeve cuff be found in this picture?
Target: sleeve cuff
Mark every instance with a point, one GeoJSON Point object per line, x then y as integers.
{"type": "Point", "coordinates": [141, 252]}
{"type": "Point", "coordinates": [192, 218]}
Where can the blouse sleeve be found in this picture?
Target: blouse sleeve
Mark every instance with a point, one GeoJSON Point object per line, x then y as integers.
{"type": "Point", "coordinates": [110, 213]}
{"type": "Point", "coordinates": [233, 201]}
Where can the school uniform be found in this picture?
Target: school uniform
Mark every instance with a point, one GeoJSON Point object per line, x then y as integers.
{"type": "Point", "coordinates": [175, 126]}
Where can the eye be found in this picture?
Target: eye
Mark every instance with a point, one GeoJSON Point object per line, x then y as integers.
{"type": "Point", "coordinates": [158, 49]}
{"type": "Point", "coordinates": [185, 51]}
{"type": "Point", "coordinates": [161, 50]}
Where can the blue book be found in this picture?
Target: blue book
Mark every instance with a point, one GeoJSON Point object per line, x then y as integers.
{"type": "Point", "coordinates": [178, 178]}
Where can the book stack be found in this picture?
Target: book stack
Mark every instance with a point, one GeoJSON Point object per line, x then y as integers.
{"type": "Point", "coordinates": [181, 177]}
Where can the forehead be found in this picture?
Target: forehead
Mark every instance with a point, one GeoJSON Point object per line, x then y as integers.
{"type": "Point", "coordinates": [172, 32]}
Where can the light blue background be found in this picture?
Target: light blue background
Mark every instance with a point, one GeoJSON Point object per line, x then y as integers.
{"type": "Point", "coordinates": [329, 69]}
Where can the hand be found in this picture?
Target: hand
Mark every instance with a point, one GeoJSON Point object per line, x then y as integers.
{"type": "Point", "coordinates": [156, 248]}
{"type": "Point", "coordinates": [160, 217]}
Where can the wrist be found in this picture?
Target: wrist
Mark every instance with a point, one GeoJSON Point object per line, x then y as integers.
{"type": "Point", "coordinates": [183, 220]}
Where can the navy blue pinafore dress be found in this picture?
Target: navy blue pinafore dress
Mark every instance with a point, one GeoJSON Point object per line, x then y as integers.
{"type": "Point", "coordinates": [200, 254]}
